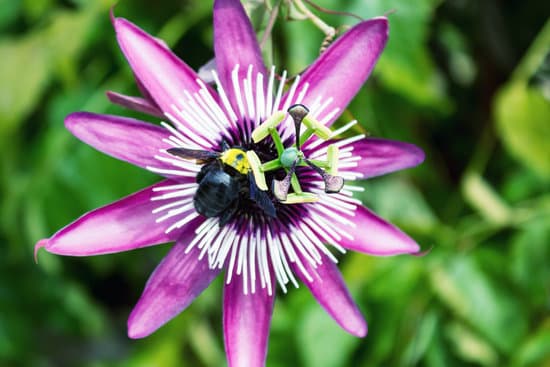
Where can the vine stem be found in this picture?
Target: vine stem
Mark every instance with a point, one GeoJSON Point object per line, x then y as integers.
{"type": "Point", "coordinates": [325, 28]}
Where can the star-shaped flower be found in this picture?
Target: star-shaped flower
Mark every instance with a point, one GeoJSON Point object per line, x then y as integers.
{"type": "Point", "coordinates": [264, 217]}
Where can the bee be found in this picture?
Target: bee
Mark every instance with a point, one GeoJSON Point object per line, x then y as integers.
{"type": "Point", "coordinates": [225, 183]}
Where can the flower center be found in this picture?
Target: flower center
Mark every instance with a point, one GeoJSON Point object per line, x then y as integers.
{"type": "Point", "coordinates": [291, 157]}
{"type": "Point", "coordinates": [252, 243]}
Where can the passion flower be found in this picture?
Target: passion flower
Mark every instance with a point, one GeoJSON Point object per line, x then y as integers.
{"type": "Point", "coordinates": [307, 179]}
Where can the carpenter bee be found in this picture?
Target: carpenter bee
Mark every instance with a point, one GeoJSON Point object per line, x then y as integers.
{"type": "Point", "coordinates": [225, 182]}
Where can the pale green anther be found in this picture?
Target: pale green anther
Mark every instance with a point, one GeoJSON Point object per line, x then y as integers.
{"type": "Point", "coordinates": [299, 198]}
{"type": "Point", "coordinates": [319, 129]}
{"type": "Point", "coordinates": [332, 159]}
{"type": "Point", "coordinates": [262, 131]}
{"type": "Point", "coordinates": [289, 156]}
{"type": "Point", "coordinates": [256, 167]}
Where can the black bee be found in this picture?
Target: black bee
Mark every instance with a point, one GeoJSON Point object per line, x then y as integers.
{"type": "Point", "coordinates": [225, 181]}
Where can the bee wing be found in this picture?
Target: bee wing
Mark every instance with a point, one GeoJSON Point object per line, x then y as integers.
{"type": "Point", "coordinates": [260, 197]}
{"type": "Point", "coordinates": [201, 156]}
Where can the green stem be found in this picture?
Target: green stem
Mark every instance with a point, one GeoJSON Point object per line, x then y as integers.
{"type": "Point", "coordinates": [272, 165]}
{"type": "Point", "coordinates": [277, 140]}
{"type": "Point", "coordinates": [295, 184]}
{"type": "Point", "coordinates": [328, 30]}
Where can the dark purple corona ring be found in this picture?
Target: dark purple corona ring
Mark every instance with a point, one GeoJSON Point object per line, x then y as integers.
{"type": "Point", "coordinates": [309, 180]}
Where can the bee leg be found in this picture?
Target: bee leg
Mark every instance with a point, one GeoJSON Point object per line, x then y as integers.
{"type": "Point", "coordinates": [261, 198]}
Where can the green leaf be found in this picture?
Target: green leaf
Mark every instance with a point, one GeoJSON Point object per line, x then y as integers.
{"type": "Point", "coordinates": [470, 346]}
{"type": "Point", "coordinates": [20, 90]}
{"type": "Point", "coordinates": [473, 296]}
{"type": "Point", "coordinates": [529, 260]}
{"type": "Point", "coordinates": [42, 53]}
{"type": "Point", "coordinates": [406, 66]}
{"type": "Point", "coordinates": [523, 113]}
{"type": "Point", "coordinates": [536, 350]}
{"type": "Point", "coordinates": [323, 343]}
{"type": "Point", "coordinates": [10, 10]}
{"type": "Point", "coordinates": [523, 122]}
{"type": "Point", "coordinates": [411, 210]}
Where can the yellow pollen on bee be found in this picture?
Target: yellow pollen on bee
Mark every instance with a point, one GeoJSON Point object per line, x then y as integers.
{"type": "Point", "coordinates": [237, 159]}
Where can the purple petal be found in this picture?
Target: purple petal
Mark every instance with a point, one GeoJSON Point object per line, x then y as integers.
{"type": "Point", "coordinates": [343, 68]}
{"type": "Point", "coordinates": [329, 289]}
{"type": "Point", "coordinates": [135, 103]}
{"type": "Point", "coordinates": [124, 138]}
{"type": "Point", "coordinates": [246, 321]}
{"type": "Point", "coordinates": [374, 236]}
{"type": "Point", "coordinates": [234, 43]}
{"type": "Point", "coordinates": [124, 225]}
{"type": "Point", "coordinates": [173, 286]}
{"type": "Point", "coordinates": [161, 73]}
{"type": "Point", "coordinates": [381, 156]}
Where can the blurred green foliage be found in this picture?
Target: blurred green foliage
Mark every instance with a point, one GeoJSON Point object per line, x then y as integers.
{"type": "Point", "coordinates": [456, 79]}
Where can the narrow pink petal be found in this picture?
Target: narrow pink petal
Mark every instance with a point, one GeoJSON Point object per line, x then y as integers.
{"type": "Point", "coordinates": [124, 225]}
{"type": "Point", "coordinates": [161, 73]}
{"type": "Point", "coordinates": [173, 286]}
{"type": "Point", "coordinates": [344, 67]}
{"type": "Point", "coordinates": [235, 43]}
{"type": "Point", "coordinates": [329, 289]}
{"type": "Point", "coordinates": [381, 156]}
{"type": "Point", "coordinates": [135, 103]}
{"type": "Point", "coordinates": [124, 138]}
{"type": "Point", "coordinates": [375, 236]}
{"type": "Point", "coordinates": [246, 322]}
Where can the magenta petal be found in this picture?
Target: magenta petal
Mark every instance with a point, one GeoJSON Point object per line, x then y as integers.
{"type": "Point", "coordinates": [124, 138]}
{"type": "Point", "coordinates": [135, 103]}
{"type": "Point", "coordinates": [343, 68]}
{"type": "Point", "coordinates": [161, 73]}
{"type": "Point", "coordinates": [124, 225]}
{"type": "Point", "coordinates": [329, 289]}
{"type": "Point", "coordinates": [373, 235]}
{"type": "Point", "coordinates": [174, 284]}
{"type": "Point", "coordinates": [246, 322]}
{"type": "Point", "coordinates": [234, 43]}
{"type": "Point", "coordinates": [381, 156]}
